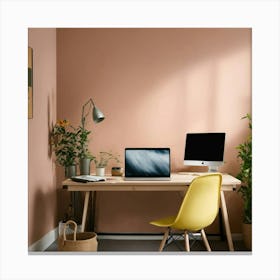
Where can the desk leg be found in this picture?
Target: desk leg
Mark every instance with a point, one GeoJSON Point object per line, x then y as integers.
{"type": "Point", "coordinates": [91, 211]}
{"type": "Point", "coordinates": [85, 210]}
{"type": "Point", "coordinates": [93, 194]}
{"type": "Point", "coordinates": [226, 221]}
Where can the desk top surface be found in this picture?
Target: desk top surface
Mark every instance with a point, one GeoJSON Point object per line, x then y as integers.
{"type": "Point", "coordinates": [177, 179]}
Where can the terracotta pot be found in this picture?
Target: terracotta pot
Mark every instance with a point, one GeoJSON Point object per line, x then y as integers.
{"type": "Point", "coordinates": [247, 235]}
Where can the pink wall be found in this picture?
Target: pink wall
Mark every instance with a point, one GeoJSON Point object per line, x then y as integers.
{"type": "Point", "coordinates": [42, 197]}
{"type": "Point", "coordinates": [154, 85]}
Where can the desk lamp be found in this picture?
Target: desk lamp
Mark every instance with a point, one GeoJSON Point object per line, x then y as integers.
{"type": "Point", "coordinates": [97, 115]}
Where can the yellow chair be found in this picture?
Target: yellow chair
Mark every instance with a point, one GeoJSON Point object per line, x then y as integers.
{"type": "Point", "coordinates": [198, 210]}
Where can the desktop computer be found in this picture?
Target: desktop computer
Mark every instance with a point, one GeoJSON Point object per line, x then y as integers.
{"type": "Point", "coordinates": [205, 149]}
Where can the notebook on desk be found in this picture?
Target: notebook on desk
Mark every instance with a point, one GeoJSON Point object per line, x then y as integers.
{"type": "Point", "coordinates": [87, 178]}
{"type": "Point", "coordinates": [147, 164]}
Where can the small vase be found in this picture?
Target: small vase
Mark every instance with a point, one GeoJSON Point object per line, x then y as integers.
{"type": "Point", "coordinates": [70, 171]}
{"type": "Point", "coordinates": [85, 166]}
{"type": "Point", "coordinates": [100, 171]}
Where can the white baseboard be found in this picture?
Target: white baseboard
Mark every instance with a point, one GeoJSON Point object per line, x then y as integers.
{"type": "Point", "coordinates": [235, 237]}
{"type": "Point", "coordinates": [43, 243]}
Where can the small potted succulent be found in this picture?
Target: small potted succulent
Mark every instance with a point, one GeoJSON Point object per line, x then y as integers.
{"type": "Point", "coordinates": [102, 161]}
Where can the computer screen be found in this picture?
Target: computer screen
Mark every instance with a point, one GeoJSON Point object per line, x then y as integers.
{"type": "Point", "coordinates": [147, 163]}
{"type": "Point", "coordinates": [205, 149]}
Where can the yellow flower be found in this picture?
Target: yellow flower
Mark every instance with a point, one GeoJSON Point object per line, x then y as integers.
{"type": "Point", "coordinates": [62, 123]}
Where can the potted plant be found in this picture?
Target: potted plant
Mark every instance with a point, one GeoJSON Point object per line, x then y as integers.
{"type": "Point", "coordinates": [102, 160]}
{"type": "Point", "coordinates": [84, 155]}
{"type": "Point", "coordinates": [245, 176]}
{"type": "Point", "coordinates": [64, 144]}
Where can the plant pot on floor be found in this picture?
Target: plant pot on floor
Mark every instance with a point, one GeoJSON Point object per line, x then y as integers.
{"type": "Point", "coordinates": [247, 235]}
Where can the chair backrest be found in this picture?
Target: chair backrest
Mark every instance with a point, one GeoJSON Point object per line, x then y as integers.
{"type": "Point", "coordinates": [200, 205]}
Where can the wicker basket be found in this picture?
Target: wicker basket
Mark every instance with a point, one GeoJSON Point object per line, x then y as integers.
{"type": "Point", "coordinates": [81, 241]}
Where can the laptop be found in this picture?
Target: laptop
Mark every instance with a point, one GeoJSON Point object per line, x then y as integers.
{"type": "Point", "coordinates": [151, 164]}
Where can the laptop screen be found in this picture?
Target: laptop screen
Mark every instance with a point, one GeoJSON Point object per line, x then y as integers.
{"type": "Point", "coordinates": [147, 163]}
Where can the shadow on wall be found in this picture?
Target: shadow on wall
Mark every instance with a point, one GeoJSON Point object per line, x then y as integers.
{"type": "Point", "coordinates": [41, 216]}
{"type": "Point", "coordinates": [51, 116]}
{"type": "Point", "coordinates": [63, 196]}
{"type": "Point", "coordinates": [65, 200]}
{"type": "Point", "coordinates": [147, 56]}
{"type": "Point", "coordinates": [129, 63]}
{"type": "Point", "coordinates": [175, 77]}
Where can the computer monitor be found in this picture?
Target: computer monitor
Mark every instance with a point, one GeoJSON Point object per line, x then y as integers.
{"type": "Point", "coordinates": [205, 149]}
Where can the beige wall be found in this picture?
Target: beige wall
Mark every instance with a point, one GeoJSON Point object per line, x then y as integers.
{"type": "Point", "coordinates": [154, 85]}
{"type": "Point", "coordinates": [42, 197]}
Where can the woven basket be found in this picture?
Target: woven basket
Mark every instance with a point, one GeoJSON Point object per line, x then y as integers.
{"type": "Point", "coordinates": [81, 241]}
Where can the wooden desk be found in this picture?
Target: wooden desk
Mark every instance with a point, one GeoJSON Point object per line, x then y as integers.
{"type": "Point", "coordinates": [178, 182]}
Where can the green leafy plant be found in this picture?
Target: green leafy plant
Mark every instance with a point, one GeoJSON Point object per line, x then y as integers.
{"type": "Point", "coordinates": [82, 143]}
{"type": "Point", "coordinates": [64, 143]}
{"type": "Point", "coordinates": [245, 174]}
{"type": "Point", "coordinates": [103, 159]}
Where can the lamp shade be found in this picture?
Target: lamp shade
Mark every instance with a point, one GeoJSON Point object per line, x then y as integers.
{"type": "Point", "coordinates": [97, 115]}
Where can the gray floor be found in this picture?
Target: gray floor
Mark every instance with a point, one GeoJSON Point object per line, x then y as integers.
{"type": "Point", "coordinates": [134, 246]}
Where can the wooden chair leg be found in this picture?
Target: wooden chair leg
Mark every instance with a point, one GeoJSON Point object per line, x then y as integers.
{"type": "Point", "coordinates": [187, 242]}
{"type": "Point", "coordinates": [205, 240]}
{"type": "Point", "coordinates": [166, 234]}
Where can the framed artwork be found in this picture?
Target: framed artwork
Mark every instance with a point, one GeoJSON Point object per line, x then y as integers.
{"type": "Point", "coordinates": [30, 83]}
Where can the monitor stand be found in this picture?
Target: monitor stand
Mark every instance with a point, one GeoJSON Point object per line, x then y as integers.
{"type": "Point", "coordinates": [213, 169]}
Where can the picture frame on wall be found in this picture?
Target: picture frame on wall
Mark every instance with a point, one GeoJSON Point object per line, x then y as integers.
{"type": "Point", "coordinates": [30, 83]}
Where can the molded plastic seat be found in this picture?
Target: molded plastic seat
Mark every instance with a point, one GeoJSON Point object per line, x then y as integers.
{"type": "Point", "coordinates": [198, 210]}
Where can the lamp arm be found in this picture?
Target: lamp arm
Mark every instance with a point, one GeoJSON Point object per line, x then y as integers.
{"type": "Point", "coordinates": [83, 119]}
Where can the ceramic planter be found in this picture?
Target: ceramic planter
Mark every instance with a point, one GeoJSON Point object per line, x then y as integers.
{"type": "Point", "coordinates": [100, 171]}
{"type": "Point", "coordinates": [70, 171]}
{"type": "Point", "coordinates": [85, 166]}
